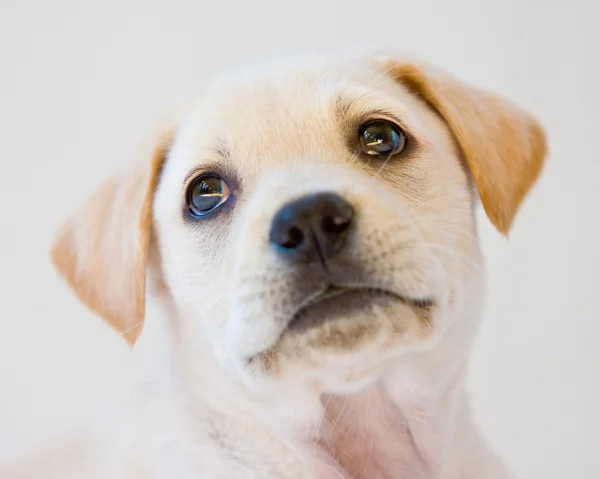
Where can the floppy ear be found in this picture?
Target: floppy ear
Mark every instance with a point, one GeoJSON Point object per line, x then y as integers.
{"type": "Point", "coordinates": [102, 250]}
{"type": "Point", "coordinates": [503, 146]}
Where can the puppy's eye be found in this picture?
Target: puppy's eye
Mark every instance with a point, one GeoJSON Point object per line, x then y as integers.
{"type": "Point", "coordinates": [206, 193]}
{"type": "Point", "coordinates": [381, 138]}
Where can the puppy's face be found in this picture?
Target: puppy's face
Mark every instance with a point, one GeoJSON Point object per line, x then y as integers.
{"type": "Point", "coordinates": [316, 220]}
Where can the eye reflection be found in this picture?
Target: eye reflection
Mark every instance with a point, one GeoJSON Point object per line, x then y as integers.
{"type": "Point", "coordinates": [206, 193]}
{"type": "Point", "coordinates": [381, 138]}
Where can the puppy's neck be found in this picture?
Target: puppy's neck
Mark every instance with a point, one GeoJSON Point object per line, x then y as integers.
{"type": "Point", "coordinates": [375, 434]}
{"type": "Point", "coordinates": [412, 422]}
{"type": "Point", "coordinates": [378, 432]}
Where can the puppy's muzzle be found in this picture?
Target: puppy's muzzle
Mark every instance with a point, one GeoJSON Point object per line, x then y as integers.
{"type": "Point", "coordinates": [313, 228]}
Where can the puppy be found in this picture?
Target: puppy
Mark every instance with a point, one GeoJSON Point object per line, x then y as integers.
{"type": "Point", "coordinates": [308, 234]}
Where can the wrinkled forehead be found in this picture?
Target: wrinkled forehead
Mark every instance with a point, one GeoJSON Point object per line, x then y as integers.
{"type": "Point", "coordinates": [290, 112]}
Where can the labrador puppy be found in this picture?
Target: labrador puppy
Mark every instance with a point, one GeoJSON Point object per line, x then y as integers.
{"type": "Point", "coordinates": [308, 234]}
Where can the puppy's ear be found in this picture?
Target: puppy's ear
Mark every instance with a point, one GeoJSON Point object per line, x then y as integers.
{"type": "Point", "coordinates": [102, 250]}
{"type": "Point", "coordinates": [504, 147]}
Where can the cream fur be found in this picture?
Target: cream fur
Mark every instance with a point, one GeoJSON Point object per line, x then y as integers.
{"type": "Point", "coordinates": [221, 390]}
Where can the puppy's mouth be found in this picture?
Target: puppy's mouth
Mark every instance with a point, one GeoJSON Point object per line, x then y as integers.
{"type": "Point", "coordinates": [336, 302]}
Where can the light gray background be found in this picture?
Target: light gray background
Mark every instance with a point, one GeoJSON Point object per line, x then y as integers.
{"type": "Point", "coordinates": [80, 82]}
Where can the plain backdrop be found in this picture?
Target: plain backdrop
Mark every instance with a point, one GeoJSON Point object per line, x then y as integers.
{"type": "Point", "coordinates": [82, 81]}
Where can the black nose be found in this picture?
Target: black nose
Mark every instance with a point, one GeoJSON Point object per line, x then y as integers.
{"type": "Point", "coordinates": [313, 228]}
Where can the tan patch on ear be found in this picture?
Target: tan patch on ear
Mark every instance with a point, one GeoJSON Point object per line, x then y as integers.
{"type": "Point", "coordinates": [504, 147]}
{"type": "Point", "coordinates": [102, 250]}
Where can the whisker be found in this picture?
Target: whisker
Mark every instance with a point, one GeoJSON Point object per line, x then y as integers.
{"type": "Point", "coordinates": [387, 160]}
{"type": "Point", "coordinates": [339, 417]}
{"type": "Point", "coordinates": [321, 423]}
{"type": "Point", "coordinates": [128, 330]}
{"type": "Point", "coordinates": [383, 74]}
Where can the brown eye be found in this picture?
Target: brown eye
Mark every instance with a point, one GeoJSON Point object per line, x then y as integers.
{"type": "Point", "coordinates": [206, 193]}
{"type": "Point", "coordinates": [381, 138]}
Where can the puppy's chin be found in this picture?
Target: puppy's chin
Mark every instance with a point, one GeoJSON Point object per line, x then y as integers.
{"type": "Point", "coordinates": [342, 342]}
{"type": "Point", "coordinates": [352, 320]}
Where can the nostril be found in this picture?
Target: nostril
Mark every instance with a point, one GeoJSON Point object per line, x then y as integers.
{"type": "Point", "coordinates": [292, 238]}
{"type": "Point", "coordinates": [334, 224]}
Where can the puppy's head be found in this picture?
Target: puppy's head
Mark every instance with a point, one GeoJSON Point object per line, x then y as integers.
{"type": "Point", "coordinates": [312, 220]}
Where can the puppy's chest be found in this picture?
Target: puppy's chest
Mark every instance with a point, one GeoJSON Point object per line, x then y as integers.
{"type": "Point", "coordinates": [371, 439]}
{"type": "Point", "coordinates": [362, 437]}
{"type": "Point", "coordinates": [348, 451]}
